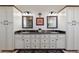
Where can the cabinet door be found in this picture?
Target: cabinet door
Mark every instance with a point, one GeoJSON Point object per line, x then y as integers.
{"type": "Point", "coordinates": [9, 14]}
{"type": "Point", "coordinates": [2, 37]}
{"type": "Point", "coordinates": [35, 40]}
{"type": "Point", "coordinates": [19, 42]}
{"type": "Point", "coordinates": [45, 38]}
{"type": "Point", "coordinates": [2, 14]}
{"type": "Point", "coordinates": [6, 13]}
{"type": "Point", "coordinates": [53, 40]}
{"type": "Point", "coordinates": [70, 14]}
{"type": "Point", "coordinates": [2, 28]}
{"type": "Point", "coordinates": [76, 14]}
{"type": "Point", "coordinates": [76, 37]}
{"type": "Point", "coordinates": [52, 45]}
{"type": "Point", "coordinates": [70, 37]}
{"type": "Point", "coordinates": [27, 46]}
{"type": "Point", "coordinates": [27, 38]}
{"type": "Point", "coordinates": [27, 41]}
{"type": "Point", "coordinates": [60, 42]}
{"type": "Point", "coordinates": [44, 45]}
{"type": "Point", "coordinates": [35, 45]}
{"type": "Point", "coordinates": [9, 36]}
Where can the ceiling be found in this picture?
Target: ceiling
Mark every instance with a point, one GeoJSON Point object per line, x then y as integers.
{"type": "Point", "coordinates": [34, 8]}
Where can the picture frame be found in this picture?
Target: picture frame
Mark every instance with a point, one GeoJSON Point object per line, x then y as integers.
{"type": "Point", "coordinates": [39, 21]}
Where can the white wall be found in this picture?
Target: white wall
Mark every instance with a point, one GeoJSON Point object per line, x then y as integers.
{"type": "Point", "coordinates": [45, 11]}
{"type": "Point", "coordinates": [17, 17]}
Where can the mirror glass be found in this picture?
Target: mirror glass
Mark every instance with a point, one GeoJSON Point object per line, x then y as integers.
{"type": "Point", "coordinates": [27, 21]}
{"type": "Point", "coordinates": [52, 21]}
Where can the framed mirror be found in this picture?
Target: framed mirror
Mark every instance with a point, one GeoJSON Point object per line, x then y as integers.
{"type": "Point", "coordinates": [27, 21]}
{"type": "Point", "coordinates": [52, 21]}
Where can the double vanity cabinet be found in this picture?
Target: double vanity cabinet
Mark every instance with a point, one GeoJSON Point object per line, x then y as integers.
{"type": "Point", "coordinates": [39, 41]}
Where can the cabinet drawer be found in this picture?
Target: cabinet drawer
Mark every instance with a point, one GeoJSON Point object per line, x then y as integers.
{"type": "Point", "coordinates": [44, 45]}
{"type": "Point", "coordinates": [27, 40]}
{"type": "Point", "coordinates": [38, 36]}
{"type": "Point", "coordinates": [61, 36]}
{"type": "Point", "coordinates": [35, 45]}
{"type": "Point", "coordinates": [52, 45]}
{"type": "Point", "coordinates": [18, 37]}
{"type": "Point", "coordinates": [26, 36]}
{"type": "Point", "coordinates": [52, 40]}
{"type": "Point", "coordinates": [32, 36]}
{"type": "Point", "coordinates": [53, 36]}
{"type": "Point", "coordinates": [44, 40]}
{"type": "Point", "coordinates": [27, 45]}
{"type": "Point", "coordinates": [44, 36]}
{"type": "Point", "coordinates": [35, 41]}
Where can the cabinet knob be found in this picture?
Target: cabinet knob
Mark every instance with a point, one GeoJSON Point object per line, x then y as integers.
{"type": "Point", "coordinates": [35, 46]}
{"type": "Point", "coordinates": [52, 46]}
{"type": "Point", "coordinates": [44, 40]}
{"type": "Point", "coordinates": [35, 40]}
{"type": "Point", "coordinates": [56, 39]}
{"type": "Point", "coordinates": [52, 40]}
{"type": "Point", "coordinates": [44, 46]}
{"type": "Point", "coordinates": [27, 40]}
{"type": "Point", "coordinates": [22, 39]}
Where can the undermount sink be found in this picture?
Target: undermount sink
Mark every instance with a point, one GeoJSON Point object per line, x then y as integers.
{"type": "Point", "coordinates": [53, 32]}
{"type": "Point", "coordinates": [25, 32]}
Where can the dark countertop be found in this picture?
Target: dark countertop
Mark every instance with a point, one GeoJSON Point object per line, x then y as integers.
{"type": "Point", "coordinates": [42, 32]}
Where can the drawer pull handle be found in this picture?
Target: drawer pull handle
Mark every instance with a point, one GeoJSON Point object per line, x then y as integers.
{"type": "Point", "coordinates": [52, 40]}
{"type": "Point", "coordinates": [44, 46]}
{"type": "Point", "coordinates": [35, 45]}
{"type": "Point", "coordinates": [27, 40]}
{"type": "Point", "coordinates": [44, 40]}
{"type": "Point", "coordinates": [35, 40]}
{"type": "Point", "coordinates": [22, 39]}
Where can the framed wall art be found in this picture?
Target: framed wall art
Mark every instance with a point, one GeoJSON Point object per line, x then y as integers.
{"type": "Point", "coordinates": [39, 21]}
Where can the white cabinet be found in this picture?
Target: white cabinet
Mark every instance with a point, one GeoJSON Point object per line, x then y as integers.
{"type": "Point", "coordinates": [60, 42]}
{"type": "Point", "coordinates": [44, 46]}
{"type": "Point", "coordinates": [53, 38]}
{"type": "Point", "coordinates": [19, 42]}
{"type": "Point", "coordinates": [40, 41]}
{"type": "Point", "coordinates": [72, 28]}
{"type": "Point", "coordinates": [35, 41]}
{"type": "Point", "coordinates": [27, 40]}
{"type": "Point", "coordinates": [7, 27]}
{"type": "Point", "coordinates": [76, 37]}
{"type": "Point", "coordinates": [70, 14]}
{"type": "Point", "coordinates": [70, 37]}
{"type": "Point", "coordinates": [45, 41]}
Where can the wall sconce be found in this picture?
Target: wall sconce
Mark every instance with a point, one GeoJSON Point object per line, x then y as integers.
{"type": "Point", "coordinates": [27, 13]}
{"type": "Point", "coordinates": [39, 14]}
{"type": "Point", "coordinates": [51, 13]}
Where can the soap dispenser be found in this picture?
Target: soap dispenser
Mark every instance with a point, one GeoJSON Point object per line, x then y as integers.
{"type": "Point", "coordinates": [39, 30]}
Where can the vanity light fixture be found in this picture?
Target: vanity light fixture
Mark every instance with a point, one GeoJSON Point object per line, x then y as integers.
{"type": "Point", "coordinates": [39, 14]}
{"type": "Point", "coordinates": [27, 13]}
